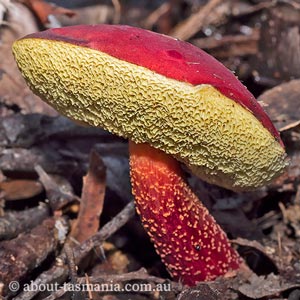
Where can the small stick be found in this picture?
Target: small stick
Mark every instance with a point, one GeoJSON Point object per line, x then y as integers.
{"type": "Point", "coordinates": [15, 222]}
{"type": "Point", "coordinates": [60, 271]}
{"type": "Point", "coordinates": [140, 274]}
{"type": "Point", "coordinates": [156, 14]}
{"type": "Point", "coordinates": [117, 13]}
{"type": "Point", "coordinates": [194, 23]}
{"type": "Point", "coordinates": [107, 230]}
{"type": "Point", "coordinates": [57, 198]}
{"type": "Point", "coordinates": [71, 262]}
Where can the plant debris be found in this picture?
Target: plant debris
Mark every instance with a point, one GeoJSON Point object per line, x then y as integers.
{"type": "Point", "coordinates": [92, 198]}
{"type": "Point", "coordinates": [66, 210]}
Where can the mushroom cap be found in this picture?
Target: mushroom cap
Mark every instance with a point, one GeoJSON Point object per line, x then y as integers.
{"type": "Point", "coordinates": [155, 89]}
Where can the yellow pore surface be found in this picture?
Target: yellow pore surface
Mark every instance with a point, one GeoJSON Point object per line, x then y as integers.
{"type": "Point", "coordinates": [218, 139]}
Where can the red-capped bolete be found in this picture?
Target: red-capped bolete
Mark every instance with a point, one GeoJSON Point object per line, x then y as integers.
{"type": "Point", "coordinates": [174, 103]}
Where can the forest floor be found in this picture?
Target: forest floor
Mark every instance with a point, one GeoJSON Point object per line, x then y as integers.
{"type": "Point", "coordinates": [66, 207]}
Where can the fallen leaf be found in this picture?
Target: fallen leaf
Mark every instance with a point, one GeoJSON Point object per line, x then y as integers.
{"type": "Point", "coordinates": [43, 10]}
{"type": "Point", "coordinates": [20, 189]}
{"type": "Point", "coordinates": [283, 104]}
{"type": "Point", "coordinates": [278, 59]}
{"type": "Point", "coordinates": [261, 286]}
{"type": "Point", "coordinates": [92, 199]}
{"type": "Point", "coordinates": [18, 21]}
{"type": "Point", "coordinates": [201, 292]}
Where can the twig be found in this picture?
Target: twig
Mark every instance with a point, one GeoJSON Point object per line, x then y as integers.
{"type": "Point", "coordinates": [57, 198]}
{"type": "Point", "coordinates": [59, 271]}
{"type": "Point", "coordinates": [60, 292]}
{"type": "Point", "coordinates": [13, 223]}
{"type": "Point", "coordinates": [117, 13]}
{"type": "Point", "coordinates": [140, 274]}
{"type": "Point", "coordinates": [289, 126]}
{"type": "Point", "coordinates": [294, 4]}
{"type": "Point", "coordinates": [156, 15]}
{"type": "Point", "coordinates": [89, 291]}
{"type": "Point", "coordinates": [24, 253]}
{"type": "Point", "coordinates": [297, 196]}
{"type": "Point", "coordinates": [279, 242]}
{"type": "Point", "coordinates": [5, 5]}
{"type": "Point", "coordinates": [71, 262]}
{"type": "Point", "coordinates": [231, 45]}
{"type": "Point", "coordinates": [212, 42]}
{"type": "Point", "coordinates": [107, 230]}
{"type": "Point", "coordinates": [115, 279]}
{"type": "Point", "coordinates": [72, 274]}
{"type": "Point", "coordinates": [194, 23]}
{"type": "Point", "coordinates": [254, 8]}
{"type": "Point", "coordinates": [248, 243]}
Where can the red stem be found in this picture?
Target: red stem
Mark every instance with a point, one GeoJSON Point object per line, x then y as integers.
{"type": "Point", "coordinates": [189, 241]}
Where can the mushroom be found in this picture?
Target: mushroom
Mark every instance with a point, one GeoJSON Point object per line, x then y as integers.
{"type": "Point", "coordinates": [176, 104]}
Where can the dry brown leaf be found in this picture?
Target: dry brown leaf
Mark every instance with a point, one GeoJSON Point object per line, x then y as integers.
{"type": "Point", "coordinates": [261, 286]}
{"type": "Point", "coordinates": [291, 217]}
{"type": "Point", "coordinates": [282, 104]}
{"type": "Point", "coordinates": [92, 14]}
{"type": "Point", "coordinates": [201, 292]}
{"type": "Point", "coordinates": [18, 22]}
{"type": "Point", "coordinates": [195, 22]}
{"type": "Point", "coordinates": [20, 189]}
{"type": "Point", "coordinates": [278, 59]}
{"type": "Point", "coordinates": [283, 108]}
{"type": "Point", "coordinates": [92, 199]}
{"type": "Point", "coordinates": [43, 10]}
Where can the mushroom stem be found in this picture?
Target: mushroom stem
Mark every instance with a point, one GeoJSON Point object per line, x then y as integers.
{"type": "Point", "coordinates": [189, 241]}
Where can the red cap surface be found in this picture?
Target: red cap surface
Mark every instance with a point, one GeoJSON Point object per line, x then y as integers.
{"type": "Point", "coordinates": [164, 55]}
